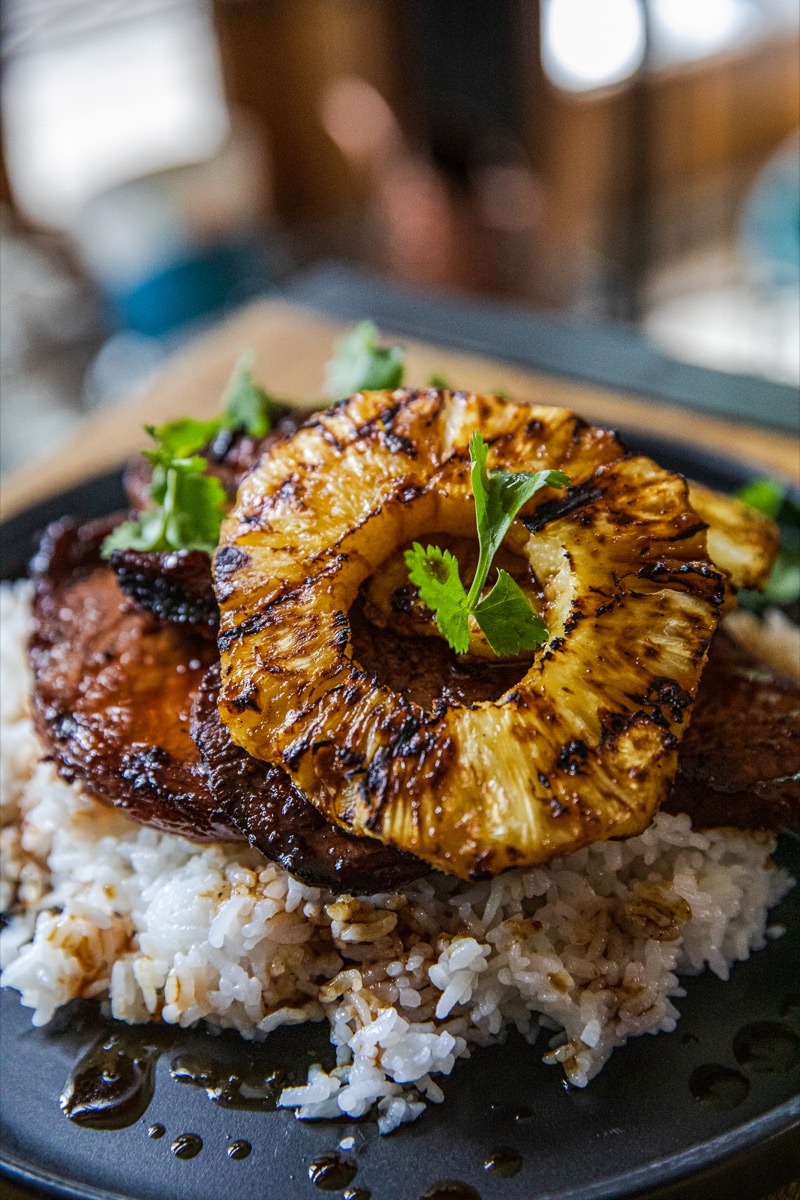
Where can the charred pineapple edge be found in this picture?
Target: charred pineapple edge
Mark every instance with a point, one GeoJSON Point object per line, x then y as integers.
{"type": "Point", "coordinates": [584, 748]}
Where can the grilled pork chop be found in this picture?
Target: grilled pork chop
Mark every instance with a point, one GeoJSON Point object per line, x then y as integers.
{"type": "Point", "coordinates": [114, 691]}
{"type": "Point", "coordinates": [113, 688]}
{"type": "Point", "coordinates": [739, 762]}
{"type": "Point", "coordinates": [276, 818]}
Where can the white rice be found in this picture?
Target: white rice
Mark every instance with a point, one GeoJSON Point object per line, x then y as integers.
{"type": "Point", "coordinates": [161, 928]}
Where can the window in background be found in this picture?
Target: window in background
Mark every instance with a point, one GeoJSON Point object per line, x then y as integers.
{"type": "Point", "coordinates": [591, 43]}
{"type": "Point", "coordinates": [588, 44]}
{"type": "Point", "coordinates": [102, 91]}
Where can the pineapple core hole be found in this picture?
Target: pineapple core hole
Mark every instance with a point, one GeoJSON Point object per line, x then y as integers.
{"type": "Point", "coordinates": [395, 638]}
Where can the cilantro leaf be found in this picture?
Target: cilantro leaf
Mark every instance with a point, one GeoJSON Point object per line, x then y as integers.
{"type": "Point", "coordinates": [499, 495]}
{"type": "Point", "coordinates": [145, 533]}
{"type": "Point", "coordinates": [182, 438]}
{"type": "Point", "coordinates": [360, 364]}
{"type": "Point", "coordinates": [188, 506]}
{"type": "Point", "coordinates": [440, 381]}
{"type": "Point", "coordinates": [435, 572]}
{"type": "Point", "coordinates": [767, 495]}
{"type": "Point", "coordinates": [508, 618]}
{"type": "Point", "coordinates": [248, 406]}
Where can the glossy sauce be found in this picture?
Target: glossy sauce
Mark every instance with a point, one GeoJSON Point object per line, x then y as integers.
{"type": "Point", "coordinates": [111, 1085]}
{"type": "Point", "coordinates": [188, 1145]}
{"type": "Point", "coordinates": [249, 1091]}
{"type": "Point", "coordinates": [450, 1189]}
{"type": "Point", "coordinates": [239, 1149]}
{"type": "Point", "coordinates": [719, 1087]}
{"type": "Point", "coordinates": [425, 669]}
{"type": "Point", "coordinates": [332, 1172]}
{"type": "Point", "coordinates": [504, 1161]}
{"type": "Point", "coordinates": [767, 1047]}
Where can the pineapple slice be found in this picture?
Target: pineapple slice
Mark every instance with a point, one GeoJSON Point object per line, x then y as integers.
{"type": "Point", "coordinates": [741, 540]}
{"type": "Point", "coordinates": [584, 747]}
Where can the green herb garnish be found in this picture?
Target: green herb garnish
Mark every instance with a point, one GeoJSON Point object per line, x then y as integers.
{"type": "Point", "coordinates": [188, 506]}
{"type": "Point", "coordinates": [506, 616]}
{"type": "Point", "coordinates": [767, 495]}
{"type": "Point", "coordinates": [248, 407]}
{"type": "Point", "coordinates": [361, 364]}
{"type": "Point", "coordinates": [782, 588]}
{"type": "Point", "coordinates": [440, 381]}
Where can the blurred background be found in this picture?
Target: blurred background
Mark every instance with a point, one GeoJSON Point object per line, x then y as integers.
{"type": "Point", "coordinates": [163, 161]}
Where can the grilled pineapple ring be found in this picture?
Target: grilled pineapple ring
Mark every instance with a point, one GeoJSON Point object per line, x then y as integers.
{"type": "Point", "coordinates": [584, 747]}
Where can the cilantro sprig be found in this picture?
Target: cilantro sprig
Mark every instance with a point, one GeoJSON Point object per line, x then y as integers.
{"type": "Point", "coordinates": [248, 409]}
{"type": "Point", "coordinates": [188, 505]}
{"type": "Point", "coordinates": [360, 363]}
{"type": "Point", "coordinates": [506, 616]}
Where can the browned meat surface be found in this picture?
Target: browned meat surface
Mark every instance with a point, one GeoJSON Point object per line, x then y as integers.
{"type": "Point", "coordinates": [230, 457]}
{"type": "Point", "coordinates": [277, 819]}
{"type": "Point", "coordinates": [425, 669]}
{"type": "Point", "coordinates": [113, 689]}
{"type": "Point", "coordinates": [739, 762]}
{"type": "Point", "coordinates": [173, 585]}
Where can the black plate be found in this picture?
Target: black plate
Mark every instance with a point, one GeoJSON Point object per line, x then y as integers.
{"type": "Point", "coordinates": [636, 1131]}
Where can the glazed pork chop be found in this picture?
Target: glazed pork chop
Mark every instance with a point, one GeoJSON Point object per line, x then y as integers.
{"type": "Point", "coordinates": [739, 763]}
{"type": "Point", "coordinates": [113, 688]}
{"type": "Point", "coordinates": [119, 697]}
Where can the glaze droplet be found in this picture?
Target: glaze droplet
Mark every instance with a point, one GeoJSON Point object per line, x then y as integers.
{"type": "Point", "coordinates": [450, 1189]}
{"type": "Point", "coordinates": [767, 1047]}
{"type": "Point", "coordinates": [251, 1090]}
{"type": "Point", "coordinates": [188, 1145]}
{"type": "Point", "coordinates": [504, 1161]}
{"type": "Point", "coordinates": [111, 1085]}
{"type": "Point", "coordinates": [156, 1131]}
{"type": "Point", "coordinates": [239, 1149]}
{"type": "Point", "coordinates": [332, 1172]}
{"type": "Point", "coordinates": [718, 1087]}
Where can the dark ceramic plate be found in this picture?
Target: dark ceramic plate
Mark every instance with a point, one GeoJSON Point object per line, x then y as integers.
{"type": "Point", "coordinates": [636, 1131]}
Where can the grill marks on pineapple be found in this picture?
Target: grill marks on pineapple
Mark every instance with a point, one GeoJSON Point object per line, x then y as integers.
{"type": "Point", "coordinates": [583, 746]}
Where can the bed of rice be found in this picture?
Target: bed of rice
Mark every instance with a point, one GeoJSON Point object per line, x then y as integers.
{"type": "Point", "coordinates": [161, 928]}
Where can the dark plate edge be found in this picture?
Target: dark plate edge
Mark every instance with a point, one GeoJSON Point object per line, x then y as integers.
{"type": "Point", "coordinates": [720, 1154]}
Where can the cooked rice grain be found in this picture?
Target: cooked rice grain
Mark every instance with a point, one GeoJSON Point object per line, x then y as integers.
{"type": "Point", "coordinates": [589, 947]}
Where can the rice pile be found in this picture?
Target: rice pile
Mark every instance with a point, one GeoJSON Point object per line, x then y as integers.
{"type": "Point", "coordinates": [589, 947]}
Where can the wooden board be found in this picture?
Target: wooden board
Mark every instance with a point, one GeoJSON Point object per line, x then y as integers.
{"type": "Point", "coordinates": [291, 346]}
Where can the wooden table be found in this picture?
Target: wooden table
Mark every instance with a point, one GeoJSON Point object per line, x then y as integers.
{"type": "Point", "coordinates": [291, 345]}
